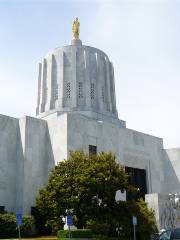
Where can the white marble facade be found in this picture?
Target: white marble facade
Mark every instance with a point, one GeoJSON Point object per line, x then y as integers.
{"type": "Point", "coordinates": [76, 78]}
{"type": "Point", "coordinates": [166, 208]}
{"type": "Point", "coordinates": [76, 108]}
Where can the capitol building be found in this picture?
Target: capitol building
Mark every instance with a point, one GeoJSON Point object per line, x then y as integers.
{"type": "Point", "coordinates": [76, 110]}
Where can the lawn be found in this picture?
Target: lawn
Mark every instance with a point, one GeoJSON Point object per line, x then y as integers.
{"type": "Point", "coordinates": [36, 238]}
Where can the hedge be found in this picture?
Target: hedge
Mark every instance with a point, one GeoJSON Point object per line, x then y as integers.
{"type": "Point", "coordinates": [8, 226]}
{"type": "Point", "coordinates": [75, 233]}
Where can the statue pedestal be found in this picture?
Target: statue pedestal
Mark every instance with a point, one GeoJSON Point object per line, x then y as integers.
{"type": "Point", "coordinates": [76, 42]}
{"type": "Point", "coordinates": [71, 227]}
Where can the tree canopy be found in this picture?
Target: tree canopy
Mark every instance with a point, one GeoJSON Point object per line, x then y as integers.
{"type": "Point", "coordinates": [88, 184]}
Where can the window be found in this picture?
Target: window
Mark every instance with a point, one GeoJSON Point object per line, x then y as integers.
{"type": "Point", "coordinates": [103, 94]}
{"type": "Point", "coordinates": [92, 150]}
{"type": "Point", "coordinates": [45, 93]}
{"type": "Point", "coordinates": [92, 90]}
{"type": "Point", "coordinates": [34, 211]}
{"type": "Point", "coordinates": [80, 90]}
{"type": "Point", "coordinates": [68, 89]}
{"type": "Point", "coordinates": [2, 209]}
{"type": "Point", "coordinates": [137, 178]}
{"type": "Point", "coordinates": [56, 92]}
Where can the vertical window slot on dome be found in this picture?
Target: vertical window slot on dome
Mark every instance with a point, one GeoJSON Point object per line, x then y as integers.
{"type": "Point", "coordinates": [68, 89]}
{"type": "Point", "coordinates": [80, 90]}
{"type": "Point", "coordinates": [45, 93]}
{"type": "Point", "coordinates": [92, 90]}
{"type": "Point", "coordinates": [56, 92]}
{"type": "Point", "coordinates": [103, 94]}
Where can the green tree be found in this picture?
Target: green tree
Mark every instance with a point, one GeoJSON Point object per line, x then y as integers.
{"type": "Point", "coordinates": [146, 224]}
{"type": "Point", "coordinates": [88, 184]}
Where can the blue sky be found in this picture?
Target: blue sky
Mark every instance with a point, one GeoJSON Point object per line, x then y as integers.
{"type": "Point", "coordinates": [141, 38]}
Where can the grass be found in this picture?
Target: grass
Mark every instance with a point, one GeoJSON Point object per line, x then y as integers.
{"type": "Point", "coordinates": [36, 238]}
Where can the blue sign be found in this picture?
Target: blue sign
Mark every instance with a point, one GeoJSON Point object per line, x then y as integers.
{"type": "Point", "coordinates": [19, 219]}
{"type": "Point", "coordinates": [69, 219]}
{"type": "Point", "coordinates": [134, 220]}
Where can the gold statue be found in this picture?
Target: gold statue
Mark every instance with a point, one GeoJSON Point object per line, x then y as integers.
{"type": "Point", "coordinates": [75, 28]}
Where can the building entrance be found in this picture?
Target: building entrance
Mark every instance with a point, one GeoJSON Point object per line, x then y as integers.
{"type": "Point", "coordinates": [137, 178]}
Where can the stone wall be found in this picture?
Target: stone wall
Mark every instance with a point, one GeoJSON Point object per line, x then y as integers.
{"type": "Point", "coordinates": [8, 161]}
{"type": "Point", "coordinates": [132, 148]}
{"type": "Point", "coordinates": [172, 170]}
{"type": "Point", "coordinates": [57, 127]}
{"type": "Point", "coordinates": [31, 147]}
{"type": "Point", "coordinates": [26, 159]}
{"type": "Point", "coordinates": [37, 159]}
{"type": "Point", "coordinates": [166, 208]}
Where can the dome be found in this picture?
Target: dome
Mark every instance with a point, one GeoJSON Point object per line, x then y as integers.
{"type": "Point", "coordinates": [76, 78]}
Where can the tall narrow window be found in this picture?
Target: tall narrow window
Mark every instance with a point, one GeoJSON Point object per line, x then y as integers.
{"type": "Point", "coordinates": [56, 92]}
{"type": "Point", "coordinates": [137, 178]}
{"type": "Point", "coordinates": [68, 89]}
{"type": "Point", "coordinates": [103, 94]}
{"type": "Point", "coordinates": [45, 93]}
{"type": "Point", "coordinates": [92, 150]}
{"type": "Point", "coordinates": [2, 209]}
{"type": "Point", "coordinates": [80, 90]}
{"type": "Point", "coordinates": [92, 90]}
{"type": "Point", "coordinates": [34, 211]}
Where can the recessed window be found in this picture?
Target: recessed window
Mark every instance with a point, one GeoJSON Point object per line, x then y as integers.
{"type": "Point", "coordinates": [34, 211]}
{"type": "Point", "coordinates": [56, 92]}
{"type": "Point", "coordinates": [137, 178]}
{"type": "Point", "coordinates": [92, 90]}
{"type": "Point", "coordinates": [92, 150]}
{"type": "Point", "coordinates": [45, 93]}
{"type": "Point", "coordinates": [103, 94]}
{"type": "Point", "coordinates": [80, 90]}
{"type": "Point", "coordinates": [2, 209]}
{"type": "Point", "coordinates": [68, 89]}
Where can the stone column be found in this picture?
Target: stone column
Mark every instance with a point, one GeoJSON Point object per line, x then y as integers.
{"type": "Point", "coordinates": [87, 80]}
{"type": "Point", "coordinates": [49, 83]}
{"type": "Point", "coordinates": [39, 89]}
{"type": "Point", "coordinates": [100, 83]}
{"type": "Point", "coordinates": [113, 94]}
{"type": "Point", "coordinates": [73, 79]}
{"type": "Point", "coordinates": [43, 95]}
{"type": "Point", "coordinates": [54, 85]}
{"type": "Point", "coordinates": [108, 83]}
{"type": "Point", "coordinates": [60, 79]}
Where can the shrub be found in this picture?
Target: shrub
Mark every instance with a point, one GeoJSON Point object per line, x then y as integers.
{"type": "Point", "coordinates": [54, 225]}
{"type": "Point", "coordinates": [41, 223]}
{"type": "Point", "coordinates": [8, 226]}
{"type": "Point", "coordinates": [75, 233]}
{"type": "Point", "coordinates": [28, 227]}
{"type": "Point", "coordinates": [101, 229]}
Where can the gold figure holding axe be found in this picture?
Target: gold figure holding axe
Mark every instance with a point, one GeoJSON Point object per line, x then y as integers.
{"type": "Point", "coordinates": [75, 28]}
